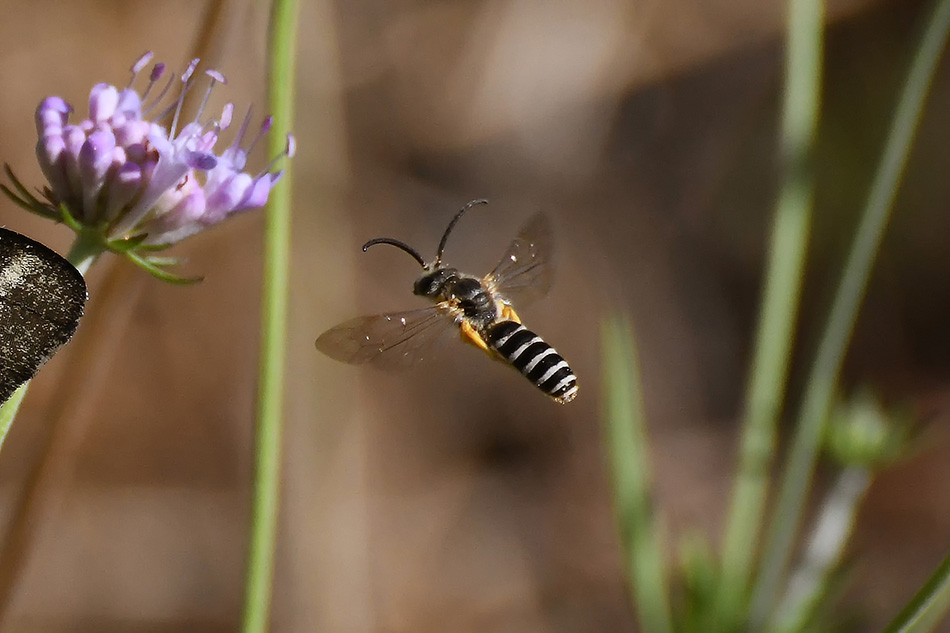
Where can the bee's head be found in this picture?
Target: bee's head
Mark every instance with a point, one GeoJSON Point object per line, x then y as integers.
{"type": "Point", "coordinates": [431, 284]}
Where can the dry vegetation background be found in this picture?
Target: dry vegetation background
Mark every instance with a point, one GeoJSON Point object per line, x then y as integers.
{"type": "Point", "coordinates": [456, 498]}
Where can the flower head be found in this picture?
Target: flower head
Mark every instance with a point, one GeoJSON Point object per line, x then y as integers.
{"type": "Point", "coordinates": [137, 176]}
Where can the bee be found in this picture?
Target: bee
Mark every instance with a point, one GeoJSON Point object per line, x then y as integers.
{"type": "Point", "coordinates": [481, 309]}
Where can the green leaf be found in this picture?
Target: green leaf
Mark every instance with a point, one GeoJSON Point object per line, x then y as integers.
{"type": "Point", "coordinates": [701, 576]}
{"type": "Point", "coordinates": [928, 606]}
{"type": "Point", "coordinates": [625, 434]}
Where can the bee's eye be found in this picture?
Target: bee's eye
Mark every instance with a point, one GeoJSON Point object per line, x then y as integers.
{"type": "Point", "coordinates": [425, 286]}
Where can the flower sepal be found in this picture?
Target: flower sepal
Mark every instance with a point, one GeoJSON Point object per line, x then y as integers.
{"type": "Point", "coordinates": [67, 218]}
{"type": "Point", "coordinates": [133, 248]}
{"type": "Point", "coordinates": [26, 200]}
{"type": "Point", "coordinates": [156, 266]}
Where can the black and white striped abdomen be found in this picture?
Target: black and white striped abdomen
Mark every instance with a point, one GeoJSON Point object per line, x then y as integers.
{"type": "Point", "coordinates": [538, 361]}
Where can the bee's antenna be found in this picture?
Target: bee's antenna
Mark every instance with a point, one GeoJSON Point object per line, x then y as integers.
{"type": "Point", "coordinates": [400, 245]}
{"type": "Point", "coordinates": [445, 236]}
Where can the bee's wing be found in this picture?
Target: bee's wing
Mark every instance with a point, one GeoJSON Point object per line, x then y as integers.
{"type": "Point", "coordinates": [525, 272]}
{"type": "Point", "coordinates": [389, 341]}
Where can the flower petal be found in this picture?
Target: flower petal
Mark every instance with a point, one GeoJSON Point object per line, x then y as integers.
{"type": "Point", "coordinates": [178, 223]}
{"type": "Point", "coordinates": [257, 195]}
{"type": "Point", "coordinates": [225, 198]}
{"type": "Point", "coordinates": [73, 137]}
{"type": "Point", "coordinates": [103, 100]}
{"type": "Point", "coordinates": [49, 153]}
{"type": "Point", "coordinates": [95, 158]}
{"type": "Point", "coordinates": [123, 188]}
{"type": "Point", "coordinates": [129, 103]}
{"type": "Point", "coordinates": [51, 115]}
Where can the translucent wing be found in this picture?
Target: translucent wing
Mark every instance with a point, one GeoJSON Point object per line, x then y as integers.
{"type": "Point", "coordinates": [525, 272]}
{"type": "Point", "coordinates": [389, 341]}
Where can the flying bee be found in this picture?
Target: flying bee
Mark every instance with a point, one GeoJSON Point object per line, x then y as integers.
{"type": "Point", "coordinates": [481, 308]}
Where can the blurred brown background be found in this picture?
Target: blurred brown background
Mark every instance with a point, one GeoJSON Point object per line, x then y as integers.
{"type": "Point", "coordinates": [456, 497]}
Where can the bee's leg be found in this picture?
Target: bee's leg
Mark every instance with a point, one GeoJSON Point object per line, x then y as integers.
{"type": "Point", "coordinates": [508, 313]}
{"type": "Point", "coordinates": [469, 335]}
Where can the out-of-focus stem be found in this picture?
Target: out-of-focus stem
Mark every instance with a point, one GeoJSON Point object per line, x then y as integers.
{"type": "Point", "coordinates": [822, 381]}
{"type": "Point", "coordinates": [823, 553]}
{"type": "Point", "coordinates": [626, 443]}
{"type": "Point", "coordinates": [783, 280]}
{"type": "Point", "coordinates": [266, 499]}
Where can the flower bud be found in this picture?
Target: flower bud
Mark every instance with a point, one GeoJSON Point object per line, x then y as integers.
{"type": "Point", "coordinates": [861, 433]}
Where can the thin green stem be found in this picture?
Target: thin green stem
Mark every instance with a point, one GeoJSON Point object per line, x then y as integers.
{"type": "Point", "coordinates": [783, 280]}
{"type": "Point", "coordinates": [265, 503]}
{"type": "Point", "coordinates": [820, 387]}
{"type": "Point", "coordinates": [626, 440]}
{"type": "Point", "coordinates": [928, 606]}
{"type": "Point", "coordinates": [82, 255]}
{"type": "Point", "coordinates": [84, 252]}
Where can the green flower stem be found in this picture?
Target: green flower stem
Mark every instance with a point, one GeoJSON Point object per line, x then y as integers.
{"type": "Point", "coordinates": [626, 439]}
{"type": "Point", "coordinates": [928, 607]}
{"type": "Point", "coordinates": [783, 280]}
{"type": "Point", "coordinates": [84, 252]}
{"type": "Point", "coordinates": [263, 536]}
{"type": "Point", "coordinates": [820, 388]}
{"type": "Point", "coordinates": [833, 528]}
{"type": "Point", "coordinates": [82, 255]}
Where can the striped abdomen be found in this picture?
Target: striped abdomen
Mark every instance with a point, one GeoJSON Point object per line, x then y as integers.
{"type": "Point", "coordinates": [538, 361]}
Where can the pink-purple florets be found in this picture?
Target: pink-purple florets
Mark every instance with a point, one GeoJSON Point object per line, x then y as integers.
{"type": "Point", "coordinates": [128, 171]}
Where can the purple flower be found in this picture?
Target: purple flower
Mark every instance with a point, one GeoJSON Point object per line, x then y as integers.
{"type": "Point", "coordinates": [136, 174]}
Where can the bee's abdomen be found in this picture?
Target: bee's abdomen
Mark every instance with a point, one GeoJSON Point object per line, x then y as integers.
{"type": "Point", "coordinates": [539, 362]}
